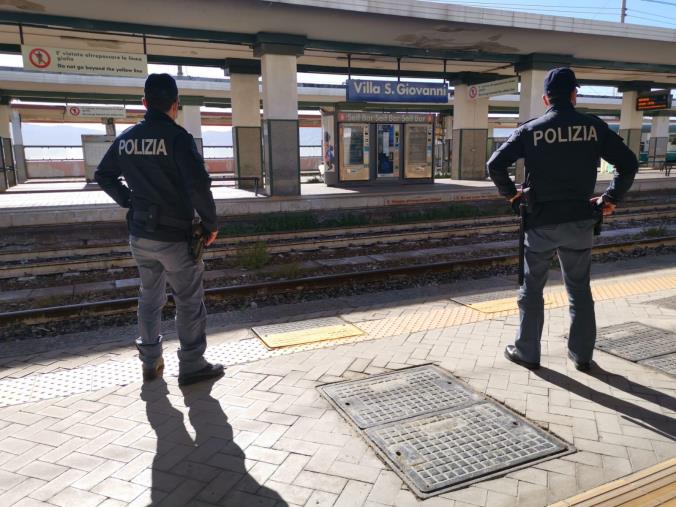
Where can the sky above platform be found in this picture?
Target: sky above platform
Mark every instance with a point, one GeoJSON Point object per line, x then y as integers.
{"type": "Point", "coordinates": [639, 12]}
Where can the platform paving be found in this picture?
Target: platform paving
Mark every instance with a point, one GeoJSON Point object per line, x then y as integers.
{"type": "Point", "coordinates": [263, 435]}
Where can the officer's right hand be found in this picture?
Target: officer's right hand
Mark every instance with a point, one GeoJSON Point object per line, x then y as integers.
{"type": "Point", "coordinates": [607, 207]}
{"type": "Point", "coordinates": [211, 238]}
{"type": "Point", "coordinates": [515, 202]}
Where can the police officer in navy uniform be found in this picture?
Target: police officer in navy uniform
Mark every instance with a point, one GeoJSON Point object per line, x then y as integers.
{"type": "Point", "coordinates": [166, 182]}
{"type": "Point", "coordinates": [562, 150]}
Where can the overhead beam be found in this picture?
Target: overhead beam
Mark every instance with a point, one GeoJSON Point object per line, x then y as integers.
{"type": "Point", "coordinates": [212, 36]}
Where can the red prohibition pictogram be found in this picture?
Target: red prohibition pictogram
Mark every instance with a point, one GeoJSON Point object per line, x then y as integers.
{"type": "Point", "coordinates": [473, 92]}
{"type": "Point", "coordinates": [74, 110]}
{"type": "Point", "coordinates": [40, 58]}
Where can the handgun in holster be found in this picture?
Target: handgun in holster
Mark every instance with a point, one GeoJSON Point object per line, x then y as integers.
{"type": "Point", "coordinates": [152, 218]}
{"type": "Point", "coordinates": [524, 202]}
{"type": "Point", "coordinates": [597, 211]}
{"type": "Point", "coordinates": [196, 243]}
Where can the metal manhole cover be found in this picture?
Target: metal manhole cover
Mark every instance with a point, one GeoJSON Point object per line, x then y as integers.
{"type": "Point", "coordinates": [666, 363]}
{"type": "Point", "coordinates": [395, 396]}
{"type": "Point", "coordinates": [305, 331]}
{"type": "Point", "coordinates": [635, 341]}
{"type": "Point", "coordinates": [435, 432]}
{"type": "Point", "coordinates": [443, 449]}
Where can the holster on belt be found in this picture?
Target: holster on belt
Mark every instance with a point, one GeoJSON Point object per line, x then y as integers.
{"type": "Point", "coordinates": [597, 211]}
{"type": "Point", "coordinates": [196, 243]}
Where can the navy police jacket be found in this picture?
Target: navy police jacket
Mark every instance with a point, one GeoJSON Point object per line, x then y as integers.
{"type": "Point", "coordinates": [562, 151]}
{"type": "Point", "coordinates": [165, 176]}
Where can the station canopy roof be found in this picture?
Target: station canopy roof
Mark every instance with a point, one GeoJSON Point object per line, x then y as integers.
{"type": "Point", "coordinates": [374, 36]}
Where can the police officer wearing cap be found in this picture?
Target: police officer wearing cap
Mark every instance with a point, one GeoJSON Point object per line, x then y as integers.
{"type": "Point", "coordinates": [166, 182]}
{"type": "Point", "coordinates": [562, 150]}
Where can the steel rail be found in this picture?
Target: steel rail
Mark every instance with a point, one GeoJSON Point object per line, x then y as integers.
{"type": "Point", "coordinates": [275, 244]}
{"type": "Point", "coordinates": [638, 211]}
{"type": "Point", "coordinates": [117, 306]}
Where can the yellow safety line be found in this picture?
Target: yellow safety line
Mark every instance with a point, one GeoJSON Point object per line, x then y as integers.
{"type": "Point", "coordinates": [601, 292]}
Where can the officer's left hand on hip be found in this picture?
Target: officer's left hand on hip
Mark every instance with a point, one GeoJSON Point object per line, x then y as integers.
{"type": "Point", "coordinates": [211, 238]}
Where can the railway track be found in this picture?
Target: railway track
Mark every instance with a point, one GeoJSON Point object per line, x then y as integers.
{"type": "Point", "coordinates": [312, 283]}
{"type": "Point", "coordinates": [50, 262]}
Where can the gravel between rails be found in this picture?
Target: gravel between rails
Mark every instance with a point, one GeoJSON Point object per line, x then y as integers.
{"type": "Point", "coordinates": [217, 304]}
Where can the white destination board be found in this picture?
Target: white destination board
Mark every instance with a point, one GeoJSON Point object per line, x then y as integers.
{"type": "Point", "coordinates": [84, 61]}
{"type": "Point", "coordinates": [78, 111]}
{"type": "Point", "coordinates": [499, 87]}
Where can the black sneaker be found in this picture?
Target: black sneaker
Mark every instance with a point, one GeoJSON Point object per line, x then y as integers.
{"type": "Point", "coordinates": [151, 373]}
{"type": "Point", "coordinates": [513, 355]}
{"type": "Point", "coordinates": [209, 371]}
{"type": "Point", "coordinates": [579, 366]}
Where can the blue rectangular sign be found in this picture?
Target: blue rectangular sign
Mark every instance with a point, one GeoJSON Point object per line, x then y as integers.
{"type": "Point", "coordinates": [359, 90]}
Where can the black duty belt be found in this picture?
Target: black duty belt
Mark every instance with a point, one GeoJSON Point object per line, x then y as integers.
{"type": "Point", "coordinates": [145, 216]}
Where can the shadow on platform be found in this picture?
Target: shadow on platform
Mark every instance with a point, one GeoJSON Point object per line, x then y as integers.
{"type": "Point", "coordinates": [636, 414]}
{"type": "Point", "coordinates": [209, 468]}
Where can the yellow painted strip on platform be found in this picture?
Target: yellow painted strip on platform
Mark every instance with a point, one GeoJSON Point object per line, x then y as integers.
{"type": "Point", "coordinates": [600, 292]}
{"type": "Point", "coordinates": [650, 487]}
{"type": "Point", "coordinates": [304, 336]}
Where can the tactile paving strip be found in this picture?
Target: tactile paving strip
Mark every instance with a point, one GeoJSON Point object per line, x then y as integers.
{"type": "Point", "coordinates": [67, 382]}
{"type": "Point", "coordinates": [432, 447]}
{"type": "Point", "coordinates": [443, 449]}
{"type": "Point", "coordinates": [305, 331]}
{"type": "Point", "coordinates": [666, 363]}
{"type": "Point", "coordinates": [635, 341]}
{"type": "Point", "coordinates": [392, 397]}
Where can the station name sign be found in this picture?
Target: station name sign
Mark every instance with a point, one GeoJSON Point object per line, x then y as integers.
{"type": "Point", "coordinates": [359, 90]}
{"type": "Point", "coordinates": [651, 101]}
{"type": "Point", "coordinates": [84, 61]}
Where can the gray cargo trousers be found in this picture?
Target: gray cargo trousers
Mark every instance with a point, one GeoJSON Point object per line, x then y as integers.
{"type": "Point", "coordinates": [572, 241]}
{"type": "Point", "coordinates": [159, 262]}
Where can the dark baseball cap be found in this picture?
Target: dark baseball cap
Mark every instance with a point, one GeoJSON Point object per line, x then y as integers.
{"type": "Point", "coordinates": [161, 86]}
{"type": "Point", "coordinates": [560, 80]}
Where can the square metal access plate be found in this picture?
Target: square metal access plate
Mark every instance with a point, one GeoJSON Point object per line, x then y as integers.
{"type": "Point", "coordinates": [436, 432]}
{"type": "Point", "coordinates": [305, 331]}
{"type": "Point", "coordinates": [408, 393]}
{"type": "Point", "coordinates": [444, 448]}
{"type": "Point", "coordinates": [666, 363]}
{"type": "Point", "coordinates": [635, 341]}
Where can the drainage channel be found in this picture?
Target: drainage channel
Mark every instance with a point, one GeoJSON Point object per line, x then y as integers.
{"type": "Point", "coordinates": [436, 432]}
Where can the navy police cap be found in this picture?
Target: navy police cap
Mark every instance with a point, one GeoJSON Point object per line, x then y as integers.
{"type": "Point", "coordinates": [161, 85]}
{"type": "Point", "coordinates": [561, 80]}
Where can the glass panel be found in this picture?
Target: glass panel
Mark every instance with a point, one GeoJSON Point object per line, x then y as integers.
{"type": "Point", "coordinates": [388, 151]}
{"type": "Point", "coordinates": [418, 142]}
{"type": "Point", "coordinates": [354, 151]}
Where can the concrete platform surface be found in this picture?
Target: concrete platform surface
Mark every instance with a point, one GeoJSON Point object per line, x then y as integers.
{"type": "Point", "coordinates": [78, 427]}
{"type": "Point", "coordinates": [52, 202]}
